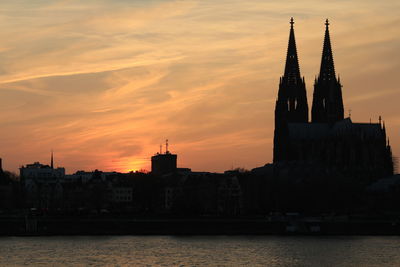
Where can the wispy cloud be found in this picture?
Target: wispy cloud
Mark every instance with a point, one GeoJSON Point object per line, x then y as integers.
{"type": "Point", "coordinates": [104, 82]}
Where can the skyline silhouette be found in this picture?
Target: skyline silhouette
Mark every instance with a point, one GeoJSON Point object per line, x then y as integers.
{"type": "Point", "coordinates": [103, 90]}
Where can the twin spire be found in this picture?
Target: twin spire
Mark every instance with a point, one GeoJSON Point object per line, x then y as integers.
{"type": "Point", "coordinates": [327, 99]}
{"type": "Point", "coordinates": [327, 71]}
{"type": "Point", "coordinates": [291, 105]}
{"type": "Point", "coordinates": [292, 70]}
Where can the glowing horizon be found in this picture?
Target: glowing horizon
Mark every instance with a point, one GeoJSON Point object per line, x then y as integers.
{"type": "Point", "coordinates": [103, 83]}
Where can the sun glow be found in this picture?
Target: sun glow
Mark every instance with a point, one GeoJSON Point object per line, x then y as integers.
{"type": "Point", "coordinates": [103, 84]}
{"type": "Point", "coordinates": [132, 165]}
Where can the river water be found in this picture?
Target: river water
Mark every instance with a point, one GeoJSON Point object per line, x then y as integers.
{"type": "Point", "coordinates": [199, 251]}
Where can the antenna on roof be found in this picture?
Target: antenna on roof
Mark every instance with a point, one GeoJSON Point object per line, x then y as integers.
{"type": "Point", "coordinates": [166, 146]}
{"type": "Point", "coordinates": [160, 148]}
{"type": "Point", "coordinates": [380, 119]}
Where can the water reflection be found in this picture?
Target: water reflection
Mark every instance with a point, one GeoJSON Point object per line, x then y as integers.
{"type": "Point", "coordinates": [200, 251]}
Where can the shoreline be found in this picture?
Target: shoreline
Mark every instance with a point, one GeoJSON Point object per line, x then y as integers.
{"type": "Point", "coordinates": [51, 226]}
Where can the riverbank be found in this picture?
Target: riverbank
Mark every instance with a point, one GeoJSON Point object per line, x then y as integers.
{"type": "Point", "coordinates": [57, 225]}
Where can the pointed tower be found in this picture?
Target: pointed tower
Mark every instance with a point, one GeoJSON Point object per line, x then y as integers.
{"type": "Point", "coordinates": [52, 160]}
{"type": "Point", "coordinates": [327, 99]}
{"type": "Point", "coordinates": [291, 105]}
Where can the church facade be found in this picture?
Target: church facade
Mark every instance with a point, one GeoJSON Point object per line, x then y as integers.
{"type": "Point", "coordinates": [329, 139]}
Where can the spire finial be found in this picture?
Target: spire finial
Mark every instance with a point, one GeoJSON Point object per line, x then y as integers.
{"type": "Point", "coordinates": [291, 22]}
{"type": "Point", "coordinates": [327, 23]}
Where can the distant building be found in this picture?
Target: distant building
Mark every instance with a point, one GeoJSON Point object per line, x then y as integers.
{"type": "Point", "coordinates": [121, 194]}
{"type": "Point", "coordinates": [330, 140]}
{"type": "Point", "coordinates": [42, 184]}
{"type": "Point", "coordinates": [82, 176]}
{"type": "Point", "coordinates": [38, 171]}
{"type": "Point", "coordinates": [163, 163]}
{"type": "Point", "coordinates": [86, 176]}
{"type": "Point", "coordinates": [7, 199]}
{"type": "Point", "coordinates": [229, 195]}
{"type": "Point", "coordinates": [169, 194]}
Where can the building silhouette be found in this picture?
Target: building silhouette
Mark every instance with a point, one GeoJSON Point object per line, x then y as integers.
{"type": "Point", "coordinates": [329, 140]}
{"type": "Point", "coordinates": [7, 190]}
{"type": "Point", "coordinates": [42, 184]}
{"type": "Point", "coordinates": [327, 106]}
{"type": "Point", "coordinates": [163, 163]}
{"type": "Point", "coordinates": [291, 105]}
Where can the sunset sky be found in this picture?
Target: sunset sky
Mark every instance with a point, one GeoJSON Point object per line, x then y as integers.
{"type": "Point", "coordinates": [104, 82]}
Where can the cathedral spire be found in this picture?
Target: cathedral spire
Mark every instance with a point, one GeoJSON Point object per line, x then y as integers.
{"type": "Point", "coordinates": [292, 95]}
{"type": "Point", "coordinates": [327, 71]}
{"type": "Point", "coordinates": [327, 99]}
{"type": "Point", "coordinates": [292, 70]}
{"type": "Point", "coordinates": [291, 105]}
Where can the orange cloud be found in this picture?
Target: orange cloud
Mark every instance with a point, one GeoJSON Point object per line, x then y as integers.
{"type": "Point", "coordinates": [104, 83]}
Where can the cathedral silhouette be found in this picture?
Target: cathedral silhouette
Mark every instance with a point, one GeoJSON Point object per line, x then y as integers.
{"type": "Point", "coordinates": [329, 140]}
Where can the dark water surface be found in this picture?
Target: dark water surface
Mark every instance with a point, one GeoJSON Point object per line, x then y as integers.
{"type": "Point", "coordinates": [199, 251]}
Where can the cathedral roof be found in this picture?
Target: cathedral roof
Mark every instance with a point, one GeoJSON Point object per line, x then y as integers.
{"type": "Point", "coordinates": [370, 129]}
{"type": "Point", "coordinates": [385, 184]}
{"type": "Point", "coordinates": [367, 129]}
{"type": "Point", "coordinates": [343, 126]}
{"type": "Point", "coordinates": [340, 128]}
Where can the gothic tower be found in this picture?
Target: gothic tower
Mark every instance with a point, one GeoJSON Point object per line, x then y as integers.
{"type": "Point", "coordinates": [327, 104]}
{"type": "Point", "coordinates": [291, 105]}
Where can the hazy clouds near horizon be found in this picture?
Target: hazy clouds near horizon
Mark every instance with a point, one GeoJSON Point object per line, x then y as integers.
{"type": "Point", "coordinates": [103, 83]}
